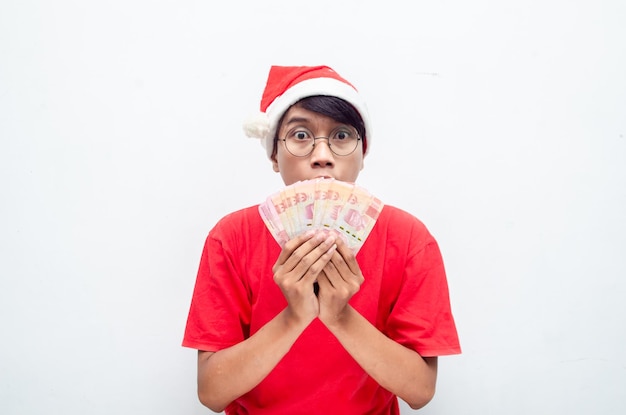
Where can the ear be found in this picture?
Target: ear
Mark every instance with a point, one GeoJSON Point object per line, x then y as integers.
{"type": "Point", "coordinates": [275, 164]}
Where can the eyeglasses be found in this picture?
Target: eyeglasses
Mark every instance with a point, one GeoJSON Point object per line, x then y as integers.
{"type": "Point", "coordinates": [300, 142]}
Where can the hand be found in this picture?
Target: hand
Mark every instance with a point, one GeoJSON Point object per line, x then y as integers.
{"type": "Point", "coordinates": [298, 266]}
{"type": "Point", "coordinates": [339, 281]}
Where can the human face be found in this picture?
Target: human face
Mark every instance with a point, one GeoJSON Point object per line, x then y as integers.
{"type": "Point", "coordinates": [321, 162]}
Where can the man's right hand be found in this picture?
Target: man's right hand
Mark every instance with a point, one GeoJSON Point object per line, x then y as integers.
{"type": "Point", "coordinates": [297, 269]}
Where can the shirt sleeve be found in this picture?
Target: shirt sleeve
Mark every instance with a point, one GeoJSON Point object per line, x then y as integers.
{"type": "Point", "coordinates": [421, 318]}
{"type": "Point", "coordinates": [219, 315]}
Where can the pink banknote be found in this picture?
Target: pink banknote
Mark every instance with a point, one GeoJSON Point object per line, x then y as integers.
{"type": "Point", "coordinates": [345, 208]}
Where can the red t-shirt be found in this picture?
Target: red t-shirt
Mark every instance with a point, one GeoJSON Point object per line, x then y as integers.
{"type": "Point", "coordinates": [405, 295]}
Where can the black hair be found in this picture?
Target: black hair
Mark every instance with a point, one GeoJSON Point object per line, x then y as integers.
{"type": "Point", "coordinates": [336, 108]}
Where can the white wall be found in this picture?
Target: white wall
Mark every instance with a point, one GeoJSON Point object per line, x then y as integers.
{"type": "Point", "coordinates": [500, 124]}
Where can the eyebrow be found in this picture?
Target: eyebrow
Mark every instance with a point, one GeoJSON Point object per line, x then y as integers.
{"type": "Point", "coordinates": [293, 120]}
{"type": "Point", "coordinates": [298, 119]}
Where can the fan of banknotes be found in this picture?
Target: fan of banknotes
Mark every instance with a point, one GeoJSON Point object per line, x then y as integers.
{"type": "Point", "coordinates": [333, 205]}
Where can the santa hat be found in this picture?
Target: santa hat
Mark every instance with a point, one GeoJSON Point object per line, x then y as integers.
{"type": "Point", "coordinates": [287, 85]}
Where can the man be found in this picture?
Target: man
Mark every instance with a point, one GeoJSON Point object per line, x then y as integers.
{"type": "Point", "coordinates": [268, 342]}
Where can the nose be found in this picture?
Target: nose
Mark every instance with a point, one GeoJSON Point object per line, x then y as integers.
{"type": "Point", "coordinates": [321, 155]}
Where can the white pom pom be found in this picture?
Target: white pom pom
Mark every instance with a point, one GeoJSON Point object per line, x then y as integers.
{"type": "Point", "coordinates": [257, 126]}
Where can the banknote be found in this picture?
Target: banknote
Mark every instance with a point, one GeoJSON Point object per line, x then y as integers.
{"type": "Point", "coordinates": [289, 200]}
{"type": "Point", "coordinates": [345, 208]}
{"type": "Point", "coordinates": [305, 194]}
{"type": "Point", "coordinates": [337, 196]}
{"type": "Point", "coordinates": [321, 196]}
{"type": "Point", "coordinates": [276, 207]}
{"type": "Point", "coordinates": [357, 217]}
{"type": "Point", "coordinates": [274, 224]}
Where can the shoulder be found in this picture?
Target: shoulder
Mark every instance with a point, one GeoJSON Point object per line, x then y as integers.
{"type": "Point", "coordinates": [405, 221]}
{"type": "Point", "coordinates": [243, 234]}
{"type": "Point", "coordinates": [242, 220]}
{"type": "Point", "coordinates": [245, 214]}
{"type": "Point", "coordinates": [398, 227]}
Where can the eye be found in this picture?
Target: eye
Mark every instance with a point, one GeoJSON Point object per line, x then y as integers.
{"type": "Point", "coordinates": [343, 135]}
{"type": "Point", "coordinates": [299, 134]}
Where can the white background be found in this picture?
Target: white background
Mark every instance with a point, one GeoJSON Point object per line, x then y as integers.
{"type": "Point", "coordinates": [500, 124]}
